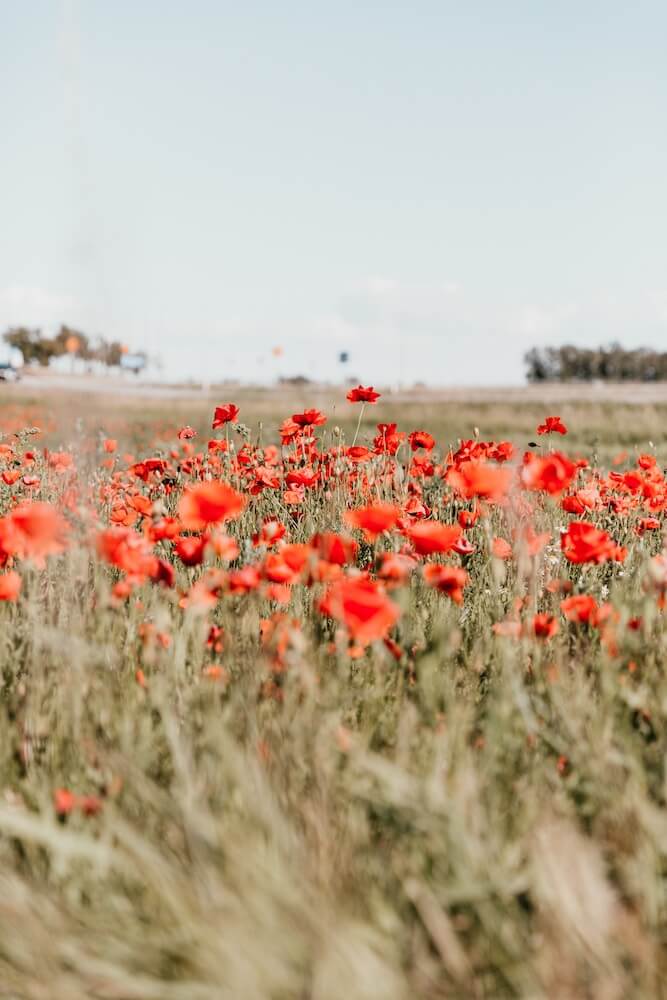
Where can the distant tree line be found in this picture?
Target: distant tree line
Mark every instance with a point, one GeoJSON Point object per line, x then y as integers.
{"type": "Point", "coordinates": [608, 364]}
{"type": "Point", "coordinates": [38, 348]}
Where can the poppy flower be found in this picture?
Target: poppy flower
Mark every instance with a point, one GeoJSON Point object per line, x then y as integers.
{"type": "Point", "coordinates": [334, 548]}
{"type": "Point", "coordinates": [428, 537]}
{"type": "Point", "coordinates": [289, 430]}
{"type": "Point", "coordinates": [244, 580]}
{"type": "Point", "coordinates": [545, 626]}
{"type": "Point", "coordinates": [580, 608]}
{"type": "Point", "coordinates": [224, 414]}
{"type": "Point", "coordinates": [128, 551]}
{"type": "Point", "coordinates": [479, 479]}
{"type": "Point", "coordinates": [362, 606]}
{"type": "Point", "coordinates": [186, 433]}
{"type": "Point", "coordinates": [647, 524]}
{"type": "Point", "coordinates": [448, 580]}
{"type": "Point", "coordinates": [374, 519]}
{"type": "Point", "coordinates": [363, 394]}
{"type": "Point", "coordinates": [209, 503]}
{"type": "Point", "coordinates": [309, 418]}
{"type": "Point", "coordinates": [552, 425]}
{"type": "Point", "coordinates": [38, 530]}
{"type": "Point", "coordinates": [64, 801]}
{"type": "Point", "coordinates": [270, 533]}
{"type": "Point", "coordinates": [583, 542]}
{"type": "Point", "coordinates": [421, 439]}
{"type": "Point", "coordinates": [396, 567]}
{"type": "Point", "coordinates": [10, 586]}
{"type": "Point", "coordinates": [190, 549]}
{"type": "Point", "coordinates": [551, 473]}
{"type": "Point", "coordinates": [388, 440]}
{"type": "Point", "coordinates": [501, 548]}
{"type": "Point", "coordinates": [468, 518]}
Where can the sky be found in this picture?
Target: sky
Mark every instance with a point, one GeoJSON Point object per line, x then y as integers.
{"type": "Point", "coordinates": [433, 187]}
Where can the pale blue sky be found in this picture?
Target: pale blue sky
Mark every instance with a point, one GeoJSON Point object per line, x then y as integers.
{"type": "Point", "coordinates": [432, 186]}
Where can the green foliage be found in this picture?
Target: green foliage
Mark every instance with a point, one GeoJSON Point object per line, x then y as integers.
{"type": "Point", "coordinates": [36, 348]}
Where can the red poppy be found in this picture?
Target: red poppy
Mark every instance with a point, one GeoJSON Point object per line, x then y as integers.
{"type": "Point", "coordinates": [479, 479]}
{"type": "Point", "coordinates": [388, 440]}
{"type": "Point", "coordinates": [421, 439]}
{"type": "Point", "coordinates": [552, 425]}
{"type": "Point", "coordinates": [309, 418]}
{"type": "Point", "coordinates": [209, 503]}
{"type": "Point", "coordinates": [190, 549]}
{"type": "Point", "coordinates": [374, 519]}
{"type": "Point", "coordinates": [501, 548]}
{"type": "Point", "coordinates": [551, 473]}
{"type": "Point", "coordinates": [224, 414]}
{"type": "Point", "coordinates": [396, 567]}
{"type": "Point", "coordinates": [37, 530]}
{"type": "Point", "coordinates": [363, 394]}
{"type": "Point", "coordinates": [583, 542]}
{"type": "Point", "coordinates": [545, 626]}
{"type": "Point", "coordinates": [10, 586]}
{"type": "Point", "coordinates": [362, 606]}
{"type": "Point", "coordinates": [428, 537]}
{"type": "Point", "coordinates": [335, 548]}
{"type": "Point", "coordinates": [128, 551]}
{"type": "Point", "coordinates": [448, 580]}
{"type": "Point", "coordinates": [580, 608]}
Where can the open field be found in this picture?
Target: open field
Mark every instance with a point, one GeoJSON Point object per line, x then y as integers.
{"type": "Point", "coordinates": [355, 715]}
{"type": "Point", "coordinates": [603, 417]}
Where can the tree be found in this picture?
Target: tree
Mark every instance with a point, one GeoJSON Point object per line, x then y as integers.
{"type": "Point", "coordinates": [612, 364]}
{"type": "Point", "coordinates": [34, 348]}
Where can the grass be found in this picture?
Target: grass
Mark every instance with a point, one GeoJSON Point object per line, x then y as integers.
{"type": "Point", "coordinates": [463, 815]}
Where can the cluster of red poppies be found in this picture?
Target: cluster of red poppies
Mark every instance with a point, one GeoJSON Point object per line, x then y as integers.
{"type": "Point", "coordinates": [354, 522]}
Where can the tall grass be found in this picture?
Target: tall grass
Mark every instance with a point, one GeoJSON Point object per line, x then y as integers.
{"type": "Point", "coordinates": [475, 816]}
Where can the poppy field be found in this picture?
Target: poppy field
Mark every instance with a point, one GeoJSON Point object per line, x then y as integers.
{"type": "Point", "coordinates": [336, 703]}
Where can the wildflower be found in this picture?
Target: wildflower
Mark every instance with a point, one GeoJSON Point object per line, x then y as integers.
{"type": "Point", "coordinates": [552, 425]}
{"type": "Point", "coordinates": [552, 473]}
{"type": "Point", "coordinates": [34, 530]}
{"type": "Point", "coordinates": [190, 549]}
{"type": "Point", "coordinates": [363, 394]}
{"type": "Point", "coordinates": [335, 548]}
{"type": "Point", "coordinates": [448, 580]}
{"type": "Point", "coordinates": [479, 479]}
{"type": "Point", "coordinates": [545, 626]}
{"type": "Point", "coordinates": [421, 439]}
{"type": "Point", "coordinates": [388, 440]}
{"type": "Point", "coordinates": [581, 608]}
{"type": "Point", "coordinates": [10, 586]}
{"type": "Point", "coordinates": [428, 537]}
{"type": "Point", "coordinates": [209, 503]}
{"type": "Point", "coordinates": [583, 542]}
{"type": "Point", "coordinates": [501, 549]}
{"type": "Point", "coordinates": [374, 519]}
{"type": "Point", "coordinates": [362, 606]}
{"type": "Point", "coordinates": [224, 414]}
{"type": "Point", "coordinates": [309, 418]}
